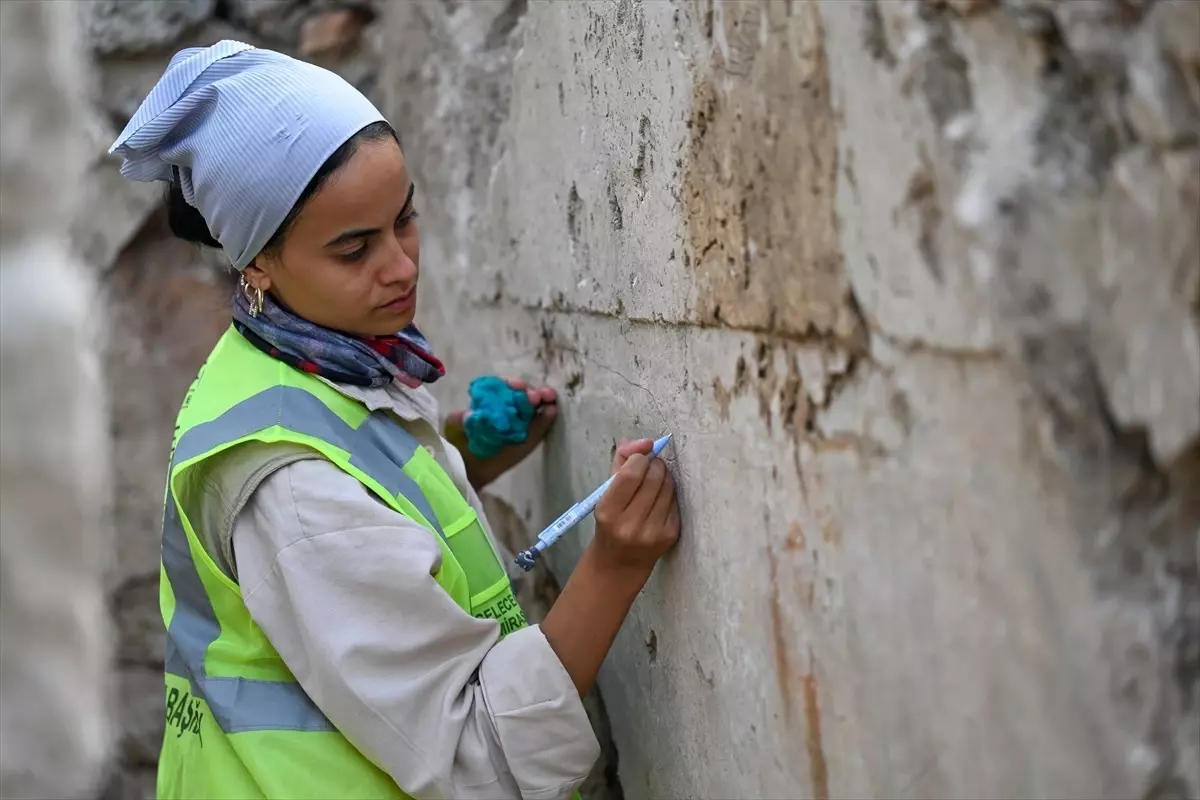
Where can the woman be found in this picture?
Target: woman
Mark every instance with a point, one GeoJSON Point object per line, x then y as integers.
{"type": "Point", "coordinates": [338, 622]}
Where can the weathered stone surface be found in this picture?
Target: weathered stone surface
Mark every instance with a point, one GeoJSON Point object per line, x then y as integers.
{"type": "Point", "coordinates": [133, 26]}
{"type": "Point", "coordinates": [169, 305]}
{"type": "Point", "coordinates": [276, 20]}
{"type": "Point", "coordinates": [1176, 24]}
{"type": "Point", "coordinates": [1149, 357]}
{"type": "Point", "coordinates": [132, 783]}
{"type": "Point", "coordinates": [1164, 102]}
{"type": "Point", "coordinates": [969, 7]}
{"type": "Point", "coordinates": [142, 713]}
{"type": "Point", "coordinates": [331, 32]}
{"type": "Point", "coordinates": [139, 622]}
{"type": "Point", "coordinates": [762, 163]}
{"type": "Point", "coordinates": [917, 296]}
{"type": "Point", "coordinates": [116, 209]}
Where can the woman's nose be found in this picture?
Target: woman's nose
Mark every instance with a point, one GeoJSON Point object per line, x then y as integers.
{"type": "Point", "coordinates": [399, 267]}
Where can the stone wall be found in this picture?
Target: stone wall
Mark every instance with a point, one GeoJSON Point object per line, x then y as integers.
{"type": "Point", "coordinates": [916, 286]}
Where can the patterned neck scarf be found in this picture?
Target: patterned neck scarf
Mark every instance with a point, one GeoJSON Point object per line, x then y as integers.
{"type": "Point", "coordinates": [339, 357]}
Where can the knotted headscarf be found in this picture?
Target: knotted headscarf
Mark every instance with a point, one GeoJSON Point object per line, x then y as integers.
{"type": "Point", "coordinates": [247, 129]}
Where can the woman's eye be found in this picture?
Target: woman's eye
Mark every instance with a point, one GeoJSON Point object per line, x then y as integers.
{"type": "Point", "coordinates": [404, 219]}
{"type": "Point", "coordinates": [353, 255]}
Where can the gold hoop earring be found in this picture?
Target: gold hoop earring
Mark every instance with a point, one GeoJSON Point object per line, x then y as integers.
{"type": "Point", "coordinates": [254, 296]}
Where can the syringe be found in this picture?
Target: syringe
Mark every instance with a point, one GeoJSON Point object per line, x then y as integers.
{"type": "Point", "coordinates": [572, 516]}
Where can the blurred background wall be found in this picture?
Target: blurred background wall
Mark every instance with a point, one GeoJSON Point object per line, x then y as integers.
{"type": "Point", "coordinates": [915, 284]}
{"type": "Point", "coordinates": [55, 538]}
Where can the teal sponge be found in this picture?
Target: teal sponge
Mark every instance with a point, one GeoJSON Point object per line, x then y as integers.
{"type": "Point", "coordinates": [500, 416]}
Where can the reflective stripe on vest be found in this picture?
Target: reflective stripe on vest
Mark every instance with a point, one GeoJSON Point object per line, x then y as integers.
{"type": "Point", "coordinates": [237, 704]}
{"type": "Point", "coordinates": [379, 447]}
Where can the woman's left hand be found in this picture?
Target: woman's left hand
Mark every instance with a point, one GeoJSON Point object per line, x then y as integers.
{"type": "Point", "coordinates": [481, 472]}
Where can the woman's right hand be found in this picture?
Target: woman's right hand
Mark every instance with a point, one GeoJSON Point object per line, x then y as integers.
{"type": "Point", "coordinates": [637, 519]}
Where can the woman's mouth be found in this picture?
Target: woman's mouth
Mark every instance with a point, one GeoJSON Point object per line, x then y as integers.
{"type": "Point", "coordinates": [402, 303]}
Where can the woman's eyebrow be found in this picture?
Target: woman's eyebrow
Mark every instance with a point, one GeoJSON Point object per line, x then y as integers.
{"type": "Point", "coordinates": [357, 233]}
{"type": "Point", "coordinates": [363, 233]}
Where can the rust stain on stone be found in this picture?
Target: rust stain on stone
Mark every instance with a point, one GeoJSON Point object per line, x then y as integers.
{"type": "Point", "coordinates": [924, 207]}
{"type": "Point", "coordinates": [818, 769]}
{"type": "Point", "coordinates": [831, 532]}
{"type": "Point", "coordinates": [760, 189]}
{"type": "Point", "coordinates": [783, 668]}
{"type": "Point", "coordinates": [332, 33]}
{"type": "Point", "coordinates": [724, 397]}
{"type": "Point", "coordinates": [797, 543]}
{"type": "Point", "coordinates": [795, 537]}
{"type": "Point", "coordinates": [837, 443]}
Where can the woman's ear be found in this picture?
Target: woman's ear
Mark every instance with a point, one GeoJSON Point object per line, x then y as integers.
{"type": "Point", "coordinates": [256, 276]}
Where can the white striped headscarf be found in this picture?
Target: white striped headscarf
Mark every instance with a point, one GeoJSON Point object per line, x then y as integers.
{"type": "Point", "coordinates": [247, 129]}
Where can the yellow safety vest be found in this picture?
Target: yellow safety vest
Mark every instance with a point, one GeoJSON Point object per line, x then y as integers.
{"type": "Point", "coordinates": [238, 723]}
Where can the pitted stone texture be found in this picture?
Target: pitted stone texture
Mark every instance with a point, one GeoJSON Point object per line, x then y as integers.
{"type": "Point", "coordinates": [873, 264]}
{"type": "Point", "coordinates": [134, 26]}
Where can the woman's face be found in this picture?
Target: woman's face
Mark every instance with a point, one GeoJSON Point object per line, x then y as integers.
{"type": "Point", "coordinates": [350, 260]}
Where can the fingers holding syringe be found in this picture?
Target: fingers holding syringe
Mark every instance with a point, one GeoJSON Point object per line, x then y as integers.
{"type": "Point", "coordinates": [642, 504]}
{"type": "Point", "coordinates": [626, 481]}
{"type": "Point", "coordinates": [626, 448]}
{"type": "Point", "coordinates": [664, 502]}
